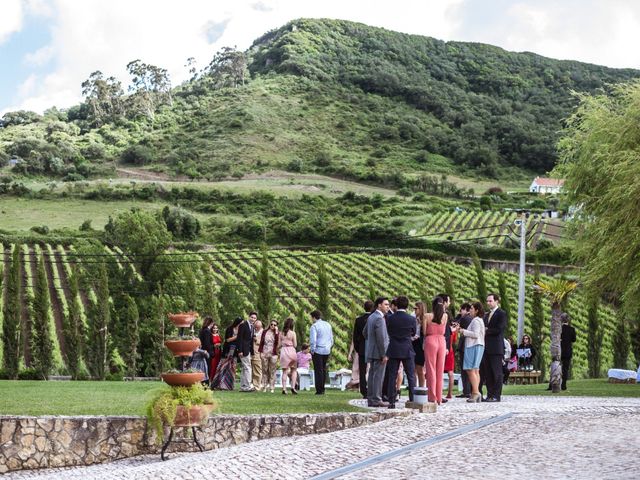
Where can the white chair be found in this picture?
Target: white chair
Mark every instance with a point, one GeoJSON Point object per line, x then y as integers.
{"type": "Point", "coordinates": [340, 379]}
{"type": "Point", "coordinates": [305, 378]}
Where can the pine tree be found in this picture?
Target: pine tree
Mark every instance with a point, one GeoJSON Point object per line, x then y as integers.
{"type": "Point", "coordinates": [324, 299]}
{"type": "Point", "coordinates": [449, 290]}
{"type": "Point", "coordinates": [264, 293]}
{"type": "Point", "coordinates": [231, 298]}
{"type": "Point", "coordinates": [537, 323]}
{"type": "Point", "coordinates": [154, 332]}
{"type": "Point", "coordinates": [74, 327]}
{"type": "Point", "coordinates": [131, 338]}
{"type": "Point", "coordinates": [99, 318]}
{"type": "Point", "coordinates": [209, 305]}
{"type": "Point", "coordinates": [481, 284]}
{"type": "Point", "coordinates": [594, 338]}
{"type": "Point", "coordinates": [190, 289]}
{"type": "Point", "coordinates": [11, 324]}
{"type": "Point", "coordinates": [635, 340]}
{"type": "Point", "coordinates": [41, 342]}
{"type": "Point", "coordinates": [620, 343]}
{"type": "Point", "coordinates": [300, 325]}
{"type": "Point", "coordinates": [505, 304]}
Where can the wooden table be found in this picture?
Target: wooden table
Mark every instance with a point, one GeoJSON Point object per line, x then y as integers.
{"type": "Point", "coordinates": [522, 377]}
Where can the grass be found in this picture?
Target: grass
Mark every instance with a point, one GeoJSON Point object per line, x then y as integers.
{"type": "Point", "coordinates": [278, 182]}
{"type": "Point", "coordinates": [18, 214]}
{"type": "Point", "coordinates": [597, 387]}
{"type": "Point", "coordinates": [23, 397]}
{"type": "Point", "coordinates": [129, 398]}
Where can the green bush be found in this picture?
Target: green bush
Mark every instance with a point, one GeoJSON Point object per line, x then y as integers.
{"type": "Point", "coordinates": [137, 155]}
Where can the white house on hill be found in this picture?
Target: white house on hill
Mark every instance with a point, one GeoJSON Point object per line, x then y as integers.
{"type": "Point", "coordinates": [546, 185]}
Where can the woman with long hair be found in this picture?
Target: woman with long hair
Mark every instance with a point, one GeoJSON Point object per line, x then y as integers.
{"type": "Point", "coordinates": [216, 339]}
{"type": "Point", "coordinates": [226, 373]}
{"type": "Point", "coordinates": [288, 356]}
{"type": "Point", "coordinates": [473, 350]}
{"type": "Point", "coordinates": [231, 337]}
{"type": "Point", "coordinates": [268, 351]}
{"type": "Point", "coordinates": [420, 310]}
{"type": "Point", "coordinates": [450, 358]}
{"type": "Point", "coordinates": [433, 327]}
{"type": "Point", "coordinates": [201, 356]}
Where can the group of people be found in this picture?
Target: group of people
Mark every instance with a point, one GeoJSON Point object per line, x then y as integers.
{"type": "Point", "coordinates": [259, 349]}
{"type": "Point", "coordinates": [388, 342]}
{"type": "Point", "coordinates": [387, 338]}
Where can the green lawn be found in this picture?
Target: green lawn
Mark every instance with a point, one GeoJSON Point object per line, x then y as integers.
{"type": "Point", "coordinates": [129, 398]}
{"type": "Point", "coordinates": [23, 213]}
{"type": "Point", "coordinates": [598, 387]}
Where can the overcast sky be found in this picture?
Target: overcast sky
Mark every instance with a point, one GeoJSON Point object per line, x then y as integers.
{"type": "Point", "coordinates": [48, 47]}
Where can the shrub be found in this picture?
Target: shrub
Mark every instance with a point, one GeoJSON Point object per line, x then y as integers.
{"type": "Point", "coordinates": [295, 165]}
{"type": "Point", "coordinates": [86, 226]}
{"type": "Point", "coordinates": [29, 374]}
{"type": "Point", "coordinates": [137, 155]}
{"type": "Point", "coordinates": [323, 159]}
{"type": "Point", "coordinates": [42, 229]}
{"type": "Point", "coordinates": [485, 203]}
{"type": "Point", "coordinates": [182, 224]}
{"type": "Point", "coordinates": [543, 244]}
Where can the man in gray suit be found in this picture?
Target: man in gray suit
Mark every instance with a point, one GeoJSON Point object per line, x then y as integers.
{"type": "Point", "coordinates": [376, 341]}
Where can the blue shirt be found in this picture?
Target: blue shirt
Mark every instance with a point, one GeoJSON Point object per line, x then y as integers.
{"type": "Point", "coordinates": [321, 337]}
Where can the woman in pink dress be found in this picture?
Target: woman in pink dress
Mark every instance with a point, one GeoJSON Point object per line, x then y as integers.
{"type": "Point", "coordinates": [435, 349]}
{"type": "Point", "coordinates": [288, 356]}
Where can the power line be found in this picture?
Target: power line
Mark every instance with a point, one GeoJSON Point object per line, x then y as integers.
{"type": "Point", "coordinates": [211, 259]}
{"type": "Point", "coordinates": [117, 255]}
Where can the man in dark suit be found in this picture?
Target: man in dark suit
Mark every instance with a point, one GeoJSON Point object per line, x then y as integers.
{"type": "Point", "coordinates": [495, 322]}
{"type": "Point", "coordinates": [393, 308]}
{"type": "Point", "coordinates": [377, 341]}
{"type": "Point", "coordinates": [359, 345]}
{"type": "Point", "coordinates": [568, 336]}
{"type": "Point", "coordinates": [463, 319]}
{"type": "Point", "coordinates": [245, 347]}
{"type": "Point", "coordinates": [401, 327]}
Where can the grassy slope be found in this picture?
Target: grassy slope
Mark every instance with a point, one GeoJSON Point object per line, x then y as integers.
{"type": "Point", "coordinates": [19, 214]}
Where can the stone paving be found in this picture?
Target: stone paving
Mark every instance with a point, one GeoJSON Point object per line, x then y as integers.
{"type": "Point", "coordinates": [547, 437]}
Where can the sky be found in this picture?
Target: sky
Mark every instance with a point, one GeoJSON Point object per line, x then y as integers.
{"type": "Point", "coordinates": [49, 47]}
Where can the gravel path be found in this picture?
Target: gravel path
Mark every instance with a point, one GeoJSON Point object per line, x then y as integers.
{"type": "Point", "coordinates": [546, 437]}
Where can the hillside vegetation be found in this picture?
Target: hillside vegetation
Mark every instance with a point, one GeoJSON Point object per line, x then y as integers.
{"type": "Point", "coordinates": [323, 96]}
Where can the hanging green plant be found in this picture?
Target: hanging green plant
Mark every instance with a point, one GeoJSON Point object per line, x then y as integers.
{"type": "Point", "coordinates": [163, 406]}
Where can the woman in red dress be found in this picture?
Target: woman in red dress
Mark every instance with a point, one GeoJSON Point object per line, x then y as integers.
{"type": "Point", "coordinates": [450, 359]}
{"type": "Point", "coordinates": [217, 350]}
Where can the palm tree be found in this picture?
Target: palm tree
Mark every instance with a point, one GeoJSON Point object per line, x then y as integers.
{"type": "Point", "coordinates": [556, 290]}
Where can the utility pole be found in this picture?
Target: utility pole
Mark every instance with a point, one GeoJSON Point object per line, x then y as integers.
{"type": "Point", "coordinates": [521, 286]}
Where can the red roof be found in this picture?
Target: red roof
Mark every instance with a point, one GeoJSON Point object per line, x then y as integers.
{"type": "Point", "coordinates": [549, 182]}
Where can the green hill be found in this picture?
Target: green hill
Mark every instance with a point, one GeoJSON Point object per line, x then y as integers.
{"type": "Point", "coordinates": [322, 96]}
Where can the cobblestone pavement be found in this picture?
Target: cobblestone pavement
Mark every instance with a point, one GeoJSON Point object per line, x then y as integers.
{"type": "Point", "coordinates": [547, 437]}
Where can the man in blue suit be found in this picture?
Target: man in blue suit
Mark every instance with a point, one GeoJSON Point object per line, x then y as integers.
{"type": "Point", "coordinates": [401, 327]}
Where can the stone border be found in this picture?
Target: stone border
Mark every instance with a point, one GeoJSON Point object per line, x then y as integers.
{"type": "Point", "coordinates": [47, 442]}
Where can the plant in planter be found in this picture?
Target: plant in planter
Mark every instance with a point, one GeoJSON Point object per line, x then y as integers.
{"type": "Point", "coordinates": [178, 407]}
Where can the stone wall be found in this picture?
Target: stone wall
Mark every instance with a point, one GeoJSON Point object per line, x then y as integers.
{"type": "Point", "coordinates": [45, 442]}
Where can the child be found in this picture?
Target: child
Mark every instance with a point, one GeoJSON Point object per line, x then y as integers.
{"type": "Point", "coordinates": [304, 356]}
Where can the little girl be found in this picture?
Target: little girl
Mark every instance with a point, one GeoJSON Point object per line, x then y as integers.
{"type": "Point", "coordinates": [304, 356]}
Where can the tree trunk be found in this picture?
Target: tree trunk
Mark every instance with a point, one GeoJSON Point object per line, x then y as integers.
{"type": "Point", "coordinates": [555, 372]}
